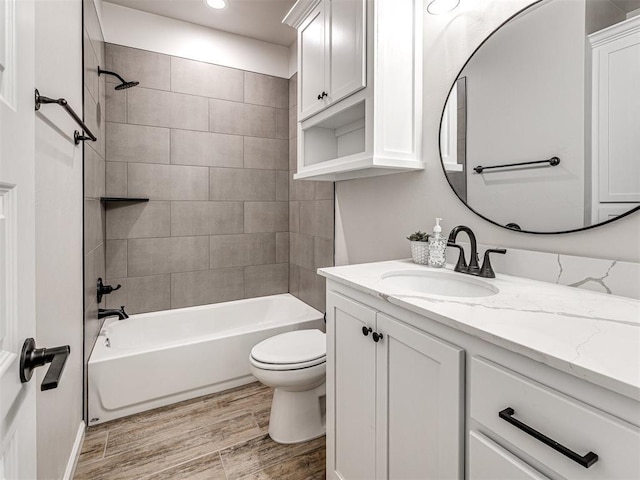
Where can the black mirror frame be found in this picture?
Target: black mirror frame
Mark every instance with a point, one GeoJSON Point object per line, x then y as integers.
{"type": "Point", "coordinates": [606, 222]}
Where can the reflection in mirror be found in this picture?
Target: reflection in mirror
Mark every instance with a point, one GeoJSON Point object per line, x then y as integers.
{"type": "Point", "coordinates": [541, 130]}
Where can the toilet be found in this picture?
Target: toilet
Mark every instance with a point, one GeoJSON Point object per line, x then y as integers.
{"type": "Point", "coordinates": [294, 364]}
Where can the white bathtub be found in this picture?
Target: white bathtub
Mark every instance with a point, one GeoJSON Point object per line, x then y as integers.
{"type": "Point", "coordinates": [155, 359]}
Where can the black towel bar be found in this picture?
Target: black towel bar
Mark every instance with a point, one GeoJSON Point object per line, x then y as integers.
{"type": "Point", "coordinates": [553, 161]}
{"type": "Point", "coordinates": [77, 136]}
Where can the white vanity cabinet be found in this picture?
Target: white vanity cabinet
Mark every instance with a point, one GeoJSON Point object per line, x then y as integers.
{"type": "Point", "coordinates": [331, 54]}
{"type": "Point", "coordinates": [359, 87]}
{"type": "Point", "coordinates": [429, 400]}
{"type": "Point", "coordinates": [394, 398]}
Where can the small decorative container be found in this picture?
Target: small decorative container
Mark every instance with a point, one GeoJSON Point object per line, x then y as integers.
{"type": "Point", "coordinates": [420, 252]}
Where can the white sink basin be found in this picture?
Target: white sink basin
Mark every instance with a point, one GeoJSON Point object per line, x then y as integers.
{"type": "Point", "coordinates": [444, 283]}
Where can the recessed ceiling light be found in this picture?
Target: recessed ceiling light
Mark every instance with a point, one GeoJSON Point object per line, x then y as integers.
{"type": "Point", "coordinates": [217, 4]}
{"type": "Point", "coordinates": [436, 7]}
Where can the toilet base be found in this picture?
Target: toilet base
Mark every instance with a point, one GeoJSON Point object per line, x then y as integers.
{"type": "Point", "coordinates": [297, 416]}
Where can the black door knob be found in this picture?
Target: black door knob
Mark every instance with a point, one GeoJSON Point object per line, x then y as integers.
{"type": "Point", "coordinates": [366, 331]}
{"type": "Point", "coordinates": [322, 95]}
{"type": "Point", "coordinates": [32, 358]}
{"type": "Point", "coordinates": [377, 337]}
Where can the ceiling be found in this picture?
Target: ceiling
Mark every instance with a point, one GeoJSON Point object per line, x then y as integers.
{"type": "Point", "coordinates": [627, 5]}
{"type": "Point", "coordinates": [259, 19]}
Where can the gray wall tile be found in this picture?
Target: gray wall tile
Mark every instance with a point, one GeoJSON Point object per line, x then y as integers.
{"type": "Point", "coordinates": [116, 105]}
{"type": "Point", "coordinates": [168, 182]}
{"type": "Point", "coordinates": [282, 186]}
{"type": "Point", "coordinates": [141, 294]}
{"type": "Point", "coordinates": [167, 109]}
{"type": "Point", "coordinates": [294, 280]}
{"type": "Point", "coordinates": [266, 217]}
{"type": "Point", "coordinates": [322, 252]}
{"type": "Point", "coordinates": [242, 184]}
{"type": "Point", "coordinates": [282, 247]}
{"type": "Point", "coordinates": [150, 256]}
{"type": "Point", "coordinates": [266, 280]}
{"type": "Point", "coordinates": [293, 156]}
{"type": "Point", "coordinates": [301, 251]}
{"type": "Point", "coordinates": [312, 289]}
{"type": "Point", "coordinates": [116, 258]}
{"type": "Point", "coordinates": [206, 79]}
{"type": "Point", "coordinates": [266, 90]}
{"type": "Point", "coordinates": [94, 174]}
{"type": "Point", "coordinates": [138, 220]}
{"type": "Point", "coordinates": [293, 122]}
{"type": "Point", "coordinates": [134, 143]}
{"type": "Point", "coordinates": [265, 153]}
{"type": "Point", "coordinates": [206, 218]}
{"type": "Point", "coordinates": [293, 90]}
{"type": "Point", "coordinates": [206, 286]}
{"type": "Point", "coordinates": [151, 69]}
{"type": "Point", "coordinates": [282, 123]}
{"type": "Point", "coordinates": [116, 173]}
{"type": "Point", "coordinates": [316, 218]}
{"type": "Point", "coordinates": [324, 191]}
{"type": "Point", "coordinates": [208, 149]}
{"type": "Point", "coordinates": [241, 119]}
{"type": "Point", "coordinates": [294, 217]}
{"type": "Point", "coordinates": [242, 250]}
{"type": "Point", "coordinates": [93, 224]}
{"type": "Point", "coordinates": [301, 189]}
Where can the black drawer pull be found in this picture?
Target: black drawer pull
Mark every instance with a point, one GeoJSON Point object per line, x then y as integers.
{"type": "Point", "coordinates": [366, 330]}
{"type": "Point", "coordinates": [585, 460]}
{"type": "Point", "coordinates": [377, 337]}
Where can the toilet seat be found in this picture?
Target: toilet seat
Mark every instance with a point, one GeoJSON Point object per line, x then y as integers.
{"type": "Point", "coordinates": [290, 351]}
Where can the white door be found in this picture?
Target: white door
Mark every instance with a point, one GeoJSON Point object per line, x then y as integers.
{"type": "Point", "coordinates": [347, 52]}
{"type": "Point", "coordinates": [312, 52]}
{"type": "Point", "coordinates": [17, 236]}
{"type": "Point", "coordinates": [351, 386]}
{"type": "Point", "coordinates": [420, 405]}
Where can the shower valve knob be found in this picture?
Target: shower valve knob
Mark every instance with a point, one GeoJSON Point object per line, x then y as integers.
{"type": "Point", "coordinates": [105, 289]}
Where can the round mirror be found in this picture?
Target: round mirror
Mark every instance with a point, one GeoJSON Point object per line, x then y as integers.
{"type": "Point", "coordinates": [541, 129]}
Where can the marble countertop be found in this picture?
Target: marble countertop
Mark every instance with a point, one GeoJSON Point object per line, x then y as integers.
{"type": "Point", "coordinates": [590, 335]}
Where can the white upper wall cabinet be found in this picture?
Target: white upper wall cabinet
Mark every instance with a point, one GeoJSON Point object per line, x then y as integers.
{"type": "Point", "coordinates": [359, 87]}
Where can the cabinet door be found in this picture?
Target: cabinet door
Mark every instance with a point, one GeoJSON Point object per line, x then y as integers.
{"type": "Point", "coordinates": [347, 48]}
{"type": "Point", "coordinates": [313, 39]}
{"type": "Point", "coordinates": [420, 404]}
{"type": "Point", "coordinates": [350, 390]}
{"type": "Point", "coordinates": [488, 461]}
{"type": "Point", "coordinates": [617, 117]}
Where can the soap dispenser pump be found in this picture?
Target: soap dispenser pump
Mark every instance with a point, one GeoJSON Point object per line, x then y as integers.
{"type": "Point", "coordinates": [437, 247]}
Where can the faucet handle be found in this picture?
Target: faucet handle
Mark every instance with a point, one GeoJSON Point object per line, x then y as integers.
{"type": "Point", "coordinates": [461, 266]}
{"type": "Point", "coordinates": [487, 271]}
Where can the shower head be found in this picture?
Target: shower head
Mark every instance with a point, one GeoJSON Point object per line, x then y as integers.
{"type": "Point", "coordinates": [124, 85]}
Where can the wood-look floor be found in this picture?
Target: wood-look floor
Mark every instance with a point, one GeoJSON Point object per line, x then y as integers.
{"type": "Point", "coordinates": [220, 436]}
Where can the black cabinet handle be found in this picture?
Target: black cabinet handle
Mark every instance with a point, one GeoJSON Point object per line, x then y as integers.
{"type": "Point", "coordinates": [32, 358]}
{"type": "Point", "coordinates": [366, 330]}
{"type": "Point", "coordinates": [585, 460]}
{"type": "Point", "coordinates": [322, 95]}
{"type": "Point", "coordinates": [377, 337]}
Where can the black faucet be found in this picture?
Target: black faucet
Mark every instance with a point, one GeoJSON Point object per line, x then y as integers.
{"type": "Point", "coordinates": [116, 312]}
{"type": "Point", "coordinates": [472, 268]}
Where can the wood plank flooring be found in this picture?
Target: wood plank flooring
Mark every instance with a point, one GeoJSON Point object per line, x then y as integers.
{"type": "Point", "coordinates": [221, 436]}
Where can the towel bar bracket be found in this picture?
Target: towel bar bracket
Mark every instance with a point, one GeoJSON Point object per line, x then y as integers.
{"type": "Point", "coordinates": [77, 136]}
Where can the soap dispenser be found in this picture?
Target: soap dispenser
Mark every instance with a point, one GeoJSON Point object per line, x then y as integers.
{"type": "Point", "coordinates": [437, 247]}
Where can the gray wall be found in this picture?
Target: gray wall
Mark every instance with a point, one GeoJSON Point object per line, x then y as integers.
{"type": "Point", "coordinates": [373, 216]}
{"type": "Point", "coordinates": [209, 146]}
{"type": "Point", "coordinates": [94, 175]}
{"type": "Point", "coordinates": [311, 224]}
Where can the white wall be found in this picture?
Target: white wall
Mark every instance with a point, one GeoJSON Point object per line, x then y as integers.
{"type": "Point", "coordinates": [373, 216]}
{"type": "Point", "coordinates": [134, 28]}
{"type": "Point", "coordinates": [525, 101]}
{"type": "Point", "coordinates": [59, 287]}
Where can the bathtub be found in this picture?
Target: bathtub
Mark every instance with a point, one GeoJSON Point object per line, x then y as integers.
{"type": "Point", "coordinates": [155, 359]}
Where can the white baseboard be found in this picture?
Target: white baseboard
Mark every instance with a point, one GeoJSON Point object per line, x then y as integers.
{"type": "Point", "coordinates": [75, 453]}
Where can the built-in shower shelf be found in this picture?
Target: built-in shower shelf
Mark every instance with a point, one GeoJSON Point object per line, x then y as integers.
{"type": "Point", "coordinates": [122, 199]}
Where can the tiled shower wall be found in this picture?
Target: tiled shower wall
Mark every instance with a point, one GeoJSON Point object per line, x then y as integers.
{"type": "Point", "coordinates": [94, 172]}
{"type": "Point", "coordinates": [208, 145]}
{"type": "Point", "coordinates": [311, 220]}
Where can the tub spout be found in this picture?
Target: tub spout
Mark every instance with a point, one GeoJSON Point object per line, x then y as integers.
{"type": "Point", "coordinates": [116, 312]}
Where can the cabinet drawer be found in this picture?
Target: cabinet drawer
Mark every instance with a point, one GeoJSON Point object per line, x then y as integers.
{"type": "Point", "coordinates": [565, 420]}
{"type": "Point", "coordinates": [488, 461]}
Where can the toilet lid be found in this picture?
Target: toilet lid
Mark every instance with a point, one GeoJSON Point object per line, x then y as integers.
{"type": "Point", "coordinates": [291, 347]}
